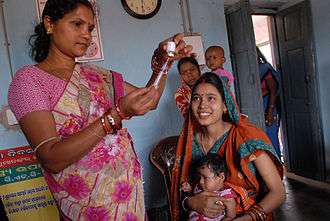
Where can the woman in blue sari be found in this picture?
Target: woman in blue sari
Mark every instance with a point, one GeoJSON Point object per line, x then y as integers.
{"type": "Point", "coordinates": [270, 87]}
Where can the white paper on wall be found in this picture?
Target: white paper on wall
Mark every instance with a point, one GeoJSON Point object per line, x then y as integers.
{"type": "Point", "coordinates": [196, 41]}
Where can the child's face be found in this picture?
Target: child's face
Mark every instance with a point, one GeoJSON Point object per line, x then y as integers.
{"type": "Point", "coordinates": [189, 73]}
{"type": "Point", "coordinates": [209, 180]}
{"type": "Point", "coordinates": [214, 58]}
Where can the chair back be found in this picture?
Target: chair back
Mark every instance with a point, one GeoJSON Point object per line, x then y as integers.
{"type": "Point", "coordinates": [162, 156]}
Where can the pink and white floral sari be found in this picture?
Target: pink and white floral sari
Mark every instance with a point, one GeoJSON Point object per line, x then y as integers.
{"type": "Point", "coordinates": [106, 184]}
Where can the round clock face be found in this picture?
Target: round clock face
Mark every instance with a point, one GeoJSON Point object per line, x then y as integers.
{"type": "Point", "coordinates": [142, 9]}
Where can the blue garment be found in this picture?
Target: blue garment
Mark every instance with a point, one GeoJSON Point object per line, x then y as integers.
{"type": "Point", "coordinates": [272, 130]}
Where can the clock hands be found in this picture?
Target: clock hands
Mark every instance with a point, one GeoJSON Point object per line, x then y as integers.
{"type": "Point", "coordinates": [142, 4]}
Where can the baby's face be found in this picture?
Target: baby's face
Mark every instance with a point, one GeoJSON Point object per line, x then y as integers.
{"type": "Point", "coordinates": [209, 180]}
{"type": "Point", "coordinates": [214, 58]}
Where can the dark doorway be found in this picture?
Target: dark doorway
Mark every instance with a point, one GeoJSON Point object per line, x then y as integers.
{"type": "Point", "coordinates": [293, 55]}
{"type": "Point", "coordinates": [300, 93]}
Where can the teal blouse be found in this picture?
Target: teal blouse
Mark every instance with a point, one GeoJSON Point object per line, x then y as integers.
{"type": "Point", "coordinates": [197, 151]}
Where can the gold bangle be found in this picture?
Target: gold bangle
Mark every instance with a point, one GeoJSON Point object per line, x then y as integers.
{"type": "Point", "coordinates": [251, 215]}
{"type": "Point", "coordinates": [115, 127]}
{"type": "Point", "coordinates": [258, 212]}
{"type": "Point", "coordinates": [45, 141]}
{"type": "Point", "coordinates": [121, 114]}
{"type": "Point", "coordinates": [104, 125]}
{"type": "Point", "coordinates": [261, 211]}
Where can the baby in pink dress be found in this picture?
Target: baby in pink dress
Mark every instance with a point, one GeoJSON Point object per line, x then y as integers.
{"type": "Point", "coordinates": [208, 174]}
{"type": "Point", "coordinates": [215, 59]}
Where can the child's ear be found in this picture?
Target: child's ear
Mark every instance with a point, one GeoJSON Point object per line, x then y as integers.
{"type": "Point", "coordinates": [222, 176]}
{"type": "Point", "coordinates": [223, 59]}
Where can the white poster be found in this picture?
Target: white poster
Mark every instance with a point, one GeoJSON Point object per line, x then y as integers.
{"type": "Point", "coordinates": [95, 50]}
{"type": "Point", "coordinates": [196, 41]}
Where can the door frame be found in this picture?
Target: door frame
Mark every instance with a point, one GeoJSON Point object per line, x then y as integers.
{"type": "Point", "coordinates": [318, 120]}
{"type": "Point", "coordinates": [316, 110]}
{"type": "Point", "coordinates": [272, 13]}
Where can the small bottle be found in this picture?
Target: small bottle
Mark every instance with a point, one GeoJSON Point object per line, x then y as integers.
{"type": "Point", "coordinates": [170, 48]}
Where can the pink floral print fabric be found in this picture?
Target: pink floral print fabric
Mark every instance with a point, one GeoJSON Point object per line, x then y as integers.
{"type": "Point", "coordinates": [106, 184]}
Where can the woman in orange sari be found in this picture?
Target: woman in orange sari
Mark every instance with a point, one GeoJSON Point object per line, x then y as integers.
{"type": "Point", "coordinates": [216, 126]}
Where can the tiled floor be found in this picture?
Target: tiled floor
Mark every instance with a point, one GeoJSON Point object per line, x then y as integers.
{"type": "Point", "coordinates": [304, 203]}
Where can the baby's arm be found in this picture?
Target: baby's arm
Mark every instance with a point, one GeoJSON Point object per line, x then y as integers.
{"type": "Point", "coordinates": [230, 205]}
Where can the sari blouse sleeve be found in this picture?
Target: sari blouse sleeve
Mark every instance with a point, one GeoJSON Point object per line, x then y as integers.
{"type": "Point", "coordinates": [32, 91]}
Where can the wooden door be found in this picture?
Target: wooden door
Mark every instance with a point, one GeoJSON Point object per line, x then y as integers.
{"type": "Point", "coordinates": [244, 61]}
{"type": "Point", "coordinates": [301, 106]}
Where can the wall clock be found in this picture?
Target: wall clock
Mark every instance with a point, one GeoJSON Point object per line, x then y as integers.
{"type": "Point", "coordinates": [142, 9]}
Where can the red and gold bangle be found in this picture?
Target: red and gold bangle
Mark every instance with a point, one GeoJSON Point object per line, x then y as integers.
{"type": "Point", "coordinates": [104, 125]}
{"type": "Point", "coordinates": [261, 212]}
{"type": "Point", "coordinates": [252, 215]}
{"type": "Point", "coordinates": [115, 127]}
{"type": "Point", "coordinates": [121, 114]}
{"type": "Point", "coordinates": [157, 61]}
{"type": "Point", "coordinates": [257, 213]}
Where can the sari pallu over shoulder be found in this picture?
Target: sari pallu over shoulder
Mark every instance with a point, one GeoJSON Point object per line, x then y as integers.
{"type": "Point", "coordinates": [243, 144]}
{"type": "Point", "coordinates": [106, 184]}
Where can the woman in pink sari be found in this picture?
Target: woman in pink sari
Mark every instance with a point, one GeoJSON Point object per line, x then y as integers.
{"type": "Point", "coordinates": [71, 115]}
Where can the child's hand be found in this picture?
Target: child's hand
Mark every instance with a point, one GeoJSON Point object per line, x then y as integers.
{"type": "Point", "coordinates": [186, 187]}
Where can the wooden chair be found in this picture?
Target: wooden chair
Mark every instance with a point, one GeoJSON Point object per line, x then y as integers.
{"type": "Point", "coordinates": [162, 156]}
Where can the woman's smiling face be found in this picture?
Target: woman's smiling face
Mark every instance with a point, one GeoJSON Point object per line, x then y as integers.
{"type": "Point", "coordinates": [207, 105]}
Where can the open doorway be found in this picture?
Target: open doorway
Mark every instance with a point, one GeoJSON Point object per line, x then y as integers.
{"type": "Point", "coordinates": [303, 147]}
{"type": "Point", "coordinates": [265, 43]}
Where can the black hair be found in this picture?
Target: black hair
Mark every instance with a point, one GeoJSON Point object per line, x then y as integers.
{"type": "Point", "coordinates": [55, 9]}
{"type": "Point", "coordinates": [188, 60]}
{"type": "Point", "coordinates": [213, 161]}
{"type": "Point", "coordinates": [210, 78]}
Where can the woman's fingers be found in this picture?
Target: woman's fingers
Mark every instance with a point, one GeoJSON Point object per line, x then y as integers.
{"type": "Point", "coordinates": [145, 99]}
{"type": "Point", "coordinates": [141, 100]}
{"type": "Point", "coordinates": [212, 206]}
{"type": "Point", "coordinates": [182, 49]}
{"type": "Point", "coordinates": [178, 37]}
{"type": "Point", "coordinates": [128, 103]}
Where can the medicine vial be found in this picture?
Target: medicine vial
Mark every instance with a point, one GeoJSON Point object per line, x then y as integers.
{"type": "Point", "coordinates": [170, 48]}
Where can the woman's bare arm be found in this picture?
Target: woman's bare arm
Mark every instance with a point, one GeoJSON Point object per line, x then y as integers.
{"type": "Point", "coordinates": [271, 85]}
{"type": "Point", "coordinates": [56, 154]}
{"type": "Point", "coordinates": [276, 195]}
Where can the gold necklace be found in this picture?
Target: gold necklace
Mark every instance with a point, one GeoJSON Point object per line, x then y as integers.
{"type": "Point", "coordinates": [226, 129]}
{"type": "Point", "coordinates": [202, 144]}
{"type": "Point", "coordinates": [55, 73]}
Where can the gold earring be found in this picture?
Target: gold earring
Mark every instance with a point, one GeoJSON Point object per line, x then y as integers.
{"type": "Point", "coordinates": [48, 31]}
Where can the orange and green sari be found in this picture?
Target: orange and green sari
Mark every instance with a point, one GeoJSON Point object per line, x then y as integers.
{"type": "Point", "coordinates": [241, 146]}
